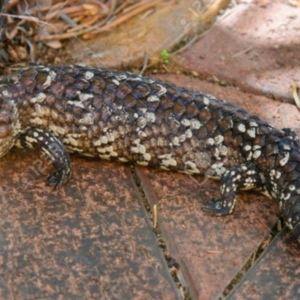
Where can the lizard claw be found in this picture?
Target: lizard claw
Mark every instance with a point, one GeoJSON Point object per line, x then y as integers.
{"type": "Point", "coordinates": [215, 207]}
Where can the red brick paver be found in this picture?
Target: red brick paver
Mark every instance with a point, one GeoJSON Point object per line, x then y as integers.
{"type": "Point", "coordinates": [210, 251]}
{"type": "Point", "coordinates": [256, 48]}
{"type": "Point", "coordinates": [275, 275]}
{"type": "Point", "coordinates": [91, 239]}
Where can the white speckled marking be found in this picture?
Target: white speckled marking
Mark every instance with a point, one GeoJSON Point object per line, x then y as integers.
{"type": "Point", "coordinates": [104, 139]}
{"type": "Point", "coordinates": [176, 141]}
{"type": "Point", "coordinates": [45, 69]}
{"type": "Point", "coordinates": [251, 132]}
{"type": "Point", "coordinates": [167, 160]}
{"type": "Point", "coordinates": [5, 93]}
{"type": "Point", "coordinates": [152, 98]}
{"type": "Point", "coordinates": [162, 90]}
{"type": "Point", "coordinates": [141, 134]}
{"type": "Point", "coordinates": [96, 143]}
{"type": "Point", "coordinates": [223, 150]}
{"type": "Point", "coordinates": [109, 151]}
{"type": "Point", "coordinates": [57, 129]}
{"type": "Point", "coordinates": [115, 81]}
{"type": "Point", "coordinates": [190, 167]}
{"type": "Point", "coordinates": [30, 141]}
{"type": "Point", "coordinates": [164, 168]}
{"type": "Point", "coordinates": [241, 127]}
{"type": "Point", "coordinates": [219, 139]}
{"type": "Point", "coordinates": [105, 156]}
{"type": "Point", "coordinates": [285, 159]}
{"type": "Point", "coordinates": [142, 149]}
{"type": "Point", "coordinates": [123, 159]}
{"type": "Point", "coordinates": [52, 74]}
{"type": "Point", "coordinates": [188, 134]}
{"type": "Point", "coordinates": [216, 170]}
{"type": "Point", "coordinates": [185, 122]}
{"type": "Point", "coordinates": [247, 148]}
{"type": "Point", "coordinates": [249, 157]}
{"type": "Point", "coordinates": [182, 138]}
{"type": "Point", "coordinates": [141, 122]}
{"type": "Point", "coordinates": [147, 156]}
{"type": "Point", "coordinates": [76, 103]}
{"type": "Point", "coordinates": [38, 99]}
{"type": "Point", "coordinates": [87, 119]}
{"type": "Point", "coordinates": [110, 137]}
{"type": "Point", "coordinates": [256, 154]}
{"type": "Point", "coordinates": [84, 97]}
{"type": "Point", "coordinates": [216, 153]}
{"type": "Point", "coordinates": [292, 187]}
{"type": "Point", "coordinates": [142, 163]}
{"type": "Point", "coordinates": [150, 117]}
{"type": "Point", "coordinates": [285, 196]}
{"type": "Point", "coordinates": [136, 78]}
{"type": "Point", "coordinates": [72, 141]}
{"type": "Point", "coordinates": [206, 101]}
{"type": "Point", "coordinates": [47, 83]}
{"type": "Point", "coordinates": [89, 75]}
{"type": "Point", "coordinates": [36, 121]}
{"type": "Point", "coordinates": [195, 124]}
{"type": "Point", "coordinates": [210, 141]}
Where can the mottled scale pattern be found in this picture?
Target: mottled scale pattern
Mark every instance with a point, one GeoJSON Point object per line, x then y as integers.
{"type": "Point", "coordinates": [129, 118]}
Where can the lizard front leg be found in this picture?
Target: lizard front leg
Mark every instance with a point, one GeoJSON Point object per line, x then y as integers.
{"type": "Point", "coordinates": [53, 148]}
{"type": "Point", "coordinates": [243, 177]}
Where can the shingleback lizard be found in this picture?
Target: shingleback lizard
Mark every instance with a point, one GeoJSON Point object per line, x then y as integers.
{"type": "Point", "coordinates": [129, 118]}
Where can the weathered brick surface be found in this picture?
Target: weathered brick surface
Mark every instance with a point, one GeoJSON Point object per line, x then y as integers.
{"type": "Point", "coordinates": [256, 47]}
{"type": "Point", "coordinates": [91, 239]}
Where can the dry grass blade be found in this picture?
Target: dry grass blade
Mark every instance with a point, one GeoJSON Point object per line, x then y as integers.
{"type": "Point", "coordinates": [129, 14]}
{"type": "Point", "coordinates": [80, 30]}
{"type": "Point", "coordinates": [295, 93]}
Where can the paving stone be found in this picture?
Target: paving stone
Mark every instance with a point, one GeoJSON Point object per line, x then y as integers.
{"type": "Point", "coordinates": [256, 47]}
{"type": "Point", "coordinates": [276, 274]}
{"type": "Point", "coordinates": [210, 251]}
{"type": "Point", "coordinates": [91, 239]}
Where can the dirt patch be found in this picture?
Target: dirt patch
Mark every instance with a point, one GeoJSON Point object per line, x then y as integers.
{"type": "Point", "coordinates": [103, 33]}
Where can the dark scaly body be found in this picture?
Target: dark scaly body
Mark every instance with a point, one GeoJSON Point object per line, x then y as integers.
{"type": "Point", "coordinates": [129, 118]}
